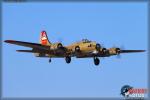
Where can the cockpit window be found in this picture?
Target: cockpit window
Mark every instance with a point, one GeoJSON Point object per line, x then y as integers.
{"type": "Point", "coordinates": [85, 41]}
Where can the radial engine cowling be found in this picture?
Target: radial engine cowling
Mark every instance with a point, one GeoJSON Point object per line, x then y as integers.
{"type": "Point", "coordinates": [56, 46]}
{"type": "Point", "coordinates": [117, 50]}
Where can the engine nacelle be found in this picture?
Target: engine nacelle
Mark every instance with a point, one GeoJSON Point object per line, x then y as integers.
{"type": "Point", "coordinates": [98, 46]}
{"type": "Point", "coordinates": [117, 50]}
{"type": "Point", "coordinates": [104, 50]}
{"type": "Point", "coordinates": [114, 51]}
{"type": "Point", "coordinates": [56, 46]}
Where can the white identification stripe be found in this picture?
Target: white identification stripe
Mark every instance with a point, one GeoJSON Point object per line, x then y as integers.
{"type": "Point", "coordinates": [43, 38]}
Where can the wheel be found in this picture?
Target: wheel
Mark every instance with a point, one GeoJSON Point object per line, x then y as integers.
{"type": "Point", "coordinates": [49, 60]}
{"type": "Point", "coordinates": [98, 46]}
{"type": "Point", "coordinates": [68, 59]}
{"type": "Point", "coordinates": [59, 45]}
{"type": "Point", "coordinates": [77, 48]}
{"type": "Point", "coordinates": [96, 61]}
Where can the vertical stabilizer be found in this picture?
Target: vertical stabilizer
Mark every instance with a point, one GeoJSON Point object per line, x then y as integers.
{"type": "Point", "coordinates": [44, 39]}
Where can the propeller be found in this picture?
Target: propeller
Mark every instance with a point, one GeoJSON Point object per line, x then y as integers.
{"type": "Point", "coordinates": [122, 47]}
{"type": "Point", "coordinates": [118, 56]}
{"type": "Point", "coordinates": [118, 50]}
{"type": "Point", "coordinates": [60, 40]}
{"type": "Point", "coordinates": [102, 45]}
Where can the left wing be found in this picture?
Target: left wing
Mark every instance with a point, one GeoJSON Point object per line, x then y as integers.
{"type": "Point", "coordinates": [29, 51]}
{"type": "Point", "coordinates": [28, 44]}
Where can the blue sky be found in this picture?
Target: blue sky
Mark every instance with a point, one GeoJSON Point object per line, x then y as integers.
{"type": "Point", "coordinates": [110, 24]}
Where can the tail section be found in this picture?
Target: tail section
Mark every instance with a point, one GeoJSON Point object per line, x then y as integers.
{"type": "Point", "coordinates": [44, 39]}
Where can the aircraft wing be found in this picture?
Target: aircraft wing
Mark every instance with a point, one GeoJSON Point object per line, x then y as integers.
{"type": "Point", "coordinates": [29, 51]}
{"type": "Point", "coordinates": [106, 54]}
{"type": "Point", "coordinates": [112, 52]}
{"type": "Point", "coordinates": [131, 51]}
{"type": "Point", "coordinates": [38, 48]}
{"type": "Point", "coordinates": [28, 44]}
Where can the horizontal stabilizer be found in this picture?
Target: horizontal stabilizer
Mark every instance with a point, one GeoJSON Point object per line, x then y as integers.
{"type": "Point", "coordinates": [29, 51]}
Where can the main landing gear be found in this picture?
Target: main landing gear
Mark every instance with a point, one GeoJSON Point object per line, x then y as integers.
{"type": "Point", "coordinates": [50, 60]}
{"type": "Point", "coordinates": [96, 61]}
{"type": "Point", "coordinates": [68, 60]}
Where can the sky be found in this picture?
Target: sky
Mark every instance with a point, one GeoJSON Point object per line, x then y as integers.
{"type": "Point", "coordinates": [108, 23]}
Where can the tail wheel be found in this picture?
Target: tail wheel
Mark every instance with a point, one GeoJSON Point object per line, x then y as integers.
{"type": "Point", "coordinates": [96, 61]}
{"type": "Point", "coordinates": [98, 46]}
{"type": "Point", "coordinates": [77, 48]}
{"type": "Point", "coordinates": [68, 59]}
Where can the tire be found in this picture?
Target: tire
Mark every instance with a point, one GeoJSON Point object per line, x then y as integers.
{"type": "Point", "coordinates": [50, 60]}
{"type": "Point", "coordinates": [96, 61]}
{"type": "Point", "coordinates": [68, 59]}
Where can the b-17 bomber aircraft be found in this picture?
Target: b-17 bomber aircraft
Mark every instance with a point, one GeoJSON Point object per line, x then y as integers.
{"type": "Point", "coordinates": [82, 49]}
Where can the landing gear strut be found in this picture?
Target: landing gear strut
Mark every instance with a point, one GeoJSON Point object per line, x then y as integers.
{"type": "Point", "coordinates": [96, 61]}
{"type": "Point", "coordinates": [68, 59]}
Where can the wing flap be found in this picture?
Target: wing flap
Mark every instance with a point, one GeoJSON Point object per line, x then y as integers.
{"type": "Point", "coordinates": [28, 51]}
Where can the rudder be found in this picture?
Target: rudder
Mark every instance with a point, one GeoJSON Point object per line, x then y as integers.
{"type": "Point", "coordinates": [44, 39]}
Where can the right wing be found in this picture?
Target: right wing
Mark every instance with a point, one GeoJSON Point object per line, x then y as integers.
{"type": "Point", "coordinates": [131, 51]}
{"type": "Point", "coordinates": [104, 54]}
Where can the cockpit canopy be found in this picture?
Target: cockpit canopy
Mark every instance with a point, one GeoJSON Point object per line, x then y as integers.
{"type": "Point", "coordinates": [86, 41]}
